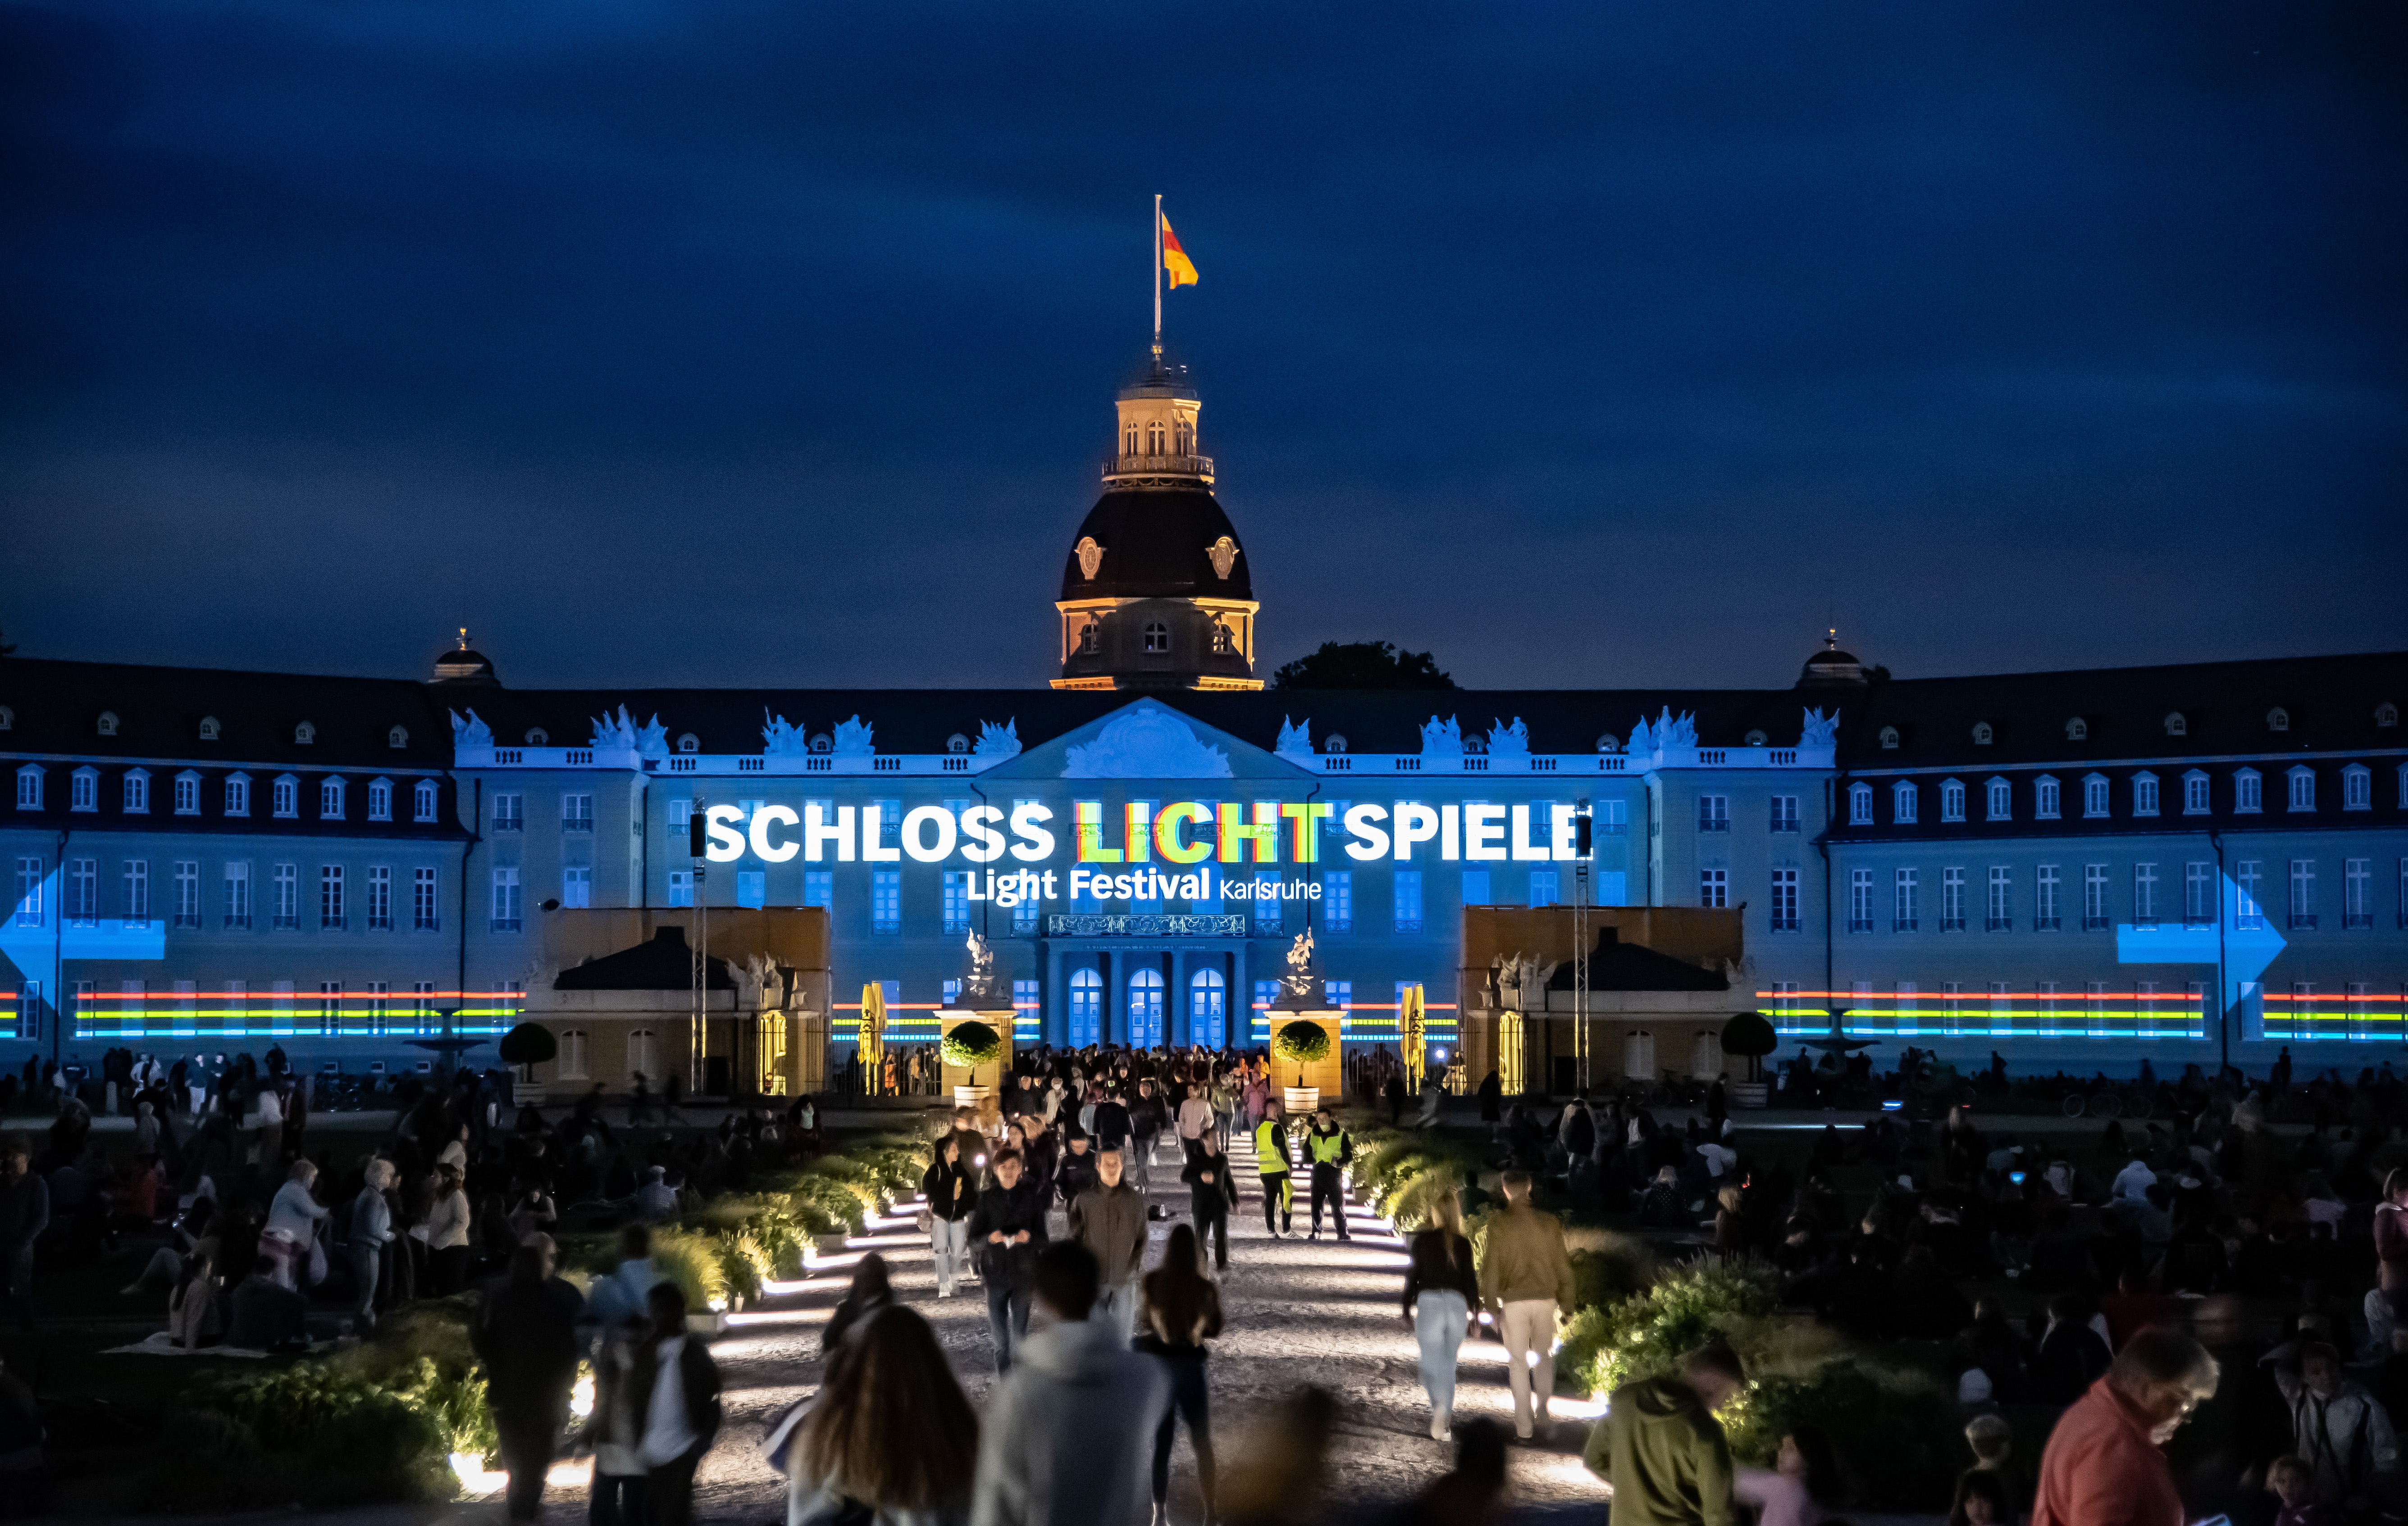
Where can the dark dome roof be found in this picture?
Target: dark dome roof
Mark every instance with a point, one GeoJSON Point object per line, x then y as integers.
{"type": "Point", "coordinates": [1834, 657]}
{"type": "Point", "coordinates": [1157, 545]}
{"type": "Point", "coordinates": [462, 666]}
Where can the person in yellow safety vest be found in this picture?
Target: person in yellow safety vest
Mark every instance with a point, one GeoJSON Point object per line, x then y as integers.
{"type": "Point", "coordinates": [1328, 1147]}
{"type": "Point", "coordinates": [1271, 1161]}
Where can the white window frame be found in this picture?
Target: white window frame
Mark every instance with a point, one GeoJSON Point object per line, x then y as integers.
{"type": "Point", "coordinates": [1782, 811]}
{"type": "Point", "coordinates": [2358, 788]}
{"type": "Point", "coordinates": [509, 911]}
{"type": "Point", "coordinates": [2248, 792]}
{"type": "Point", "coordinates": [2048, 900]}
{"type": "Point", "coordinates": [187, 793]}
{"type": "Point", "coordinates": [2356, 896]}
{"type": "Point", "coordinates": [238, 795]}
{"type": "Point", "coordinates": [188, 893]}
{"type": "Point", "coordinates": [233, 884]}
{"type": "Point", "coordinates": [1952, 898]}
{"type": "Point", "coordinates": [1713, 813]}
{"type": "Point", "coordinates": [425, 899]}
{"type": "Point", "coordinates": [2094, 796]}
{"type": "Point", "coordinates": [2144, 794]}
{"type": "Point", "coordinates": [2144, 895]}
{"type": "Point", "coordinates": [29, 787]}
{"type": "Point", "coordinates": [31, 876]}
{"type": "Point", "coordinates": [1860, 900]}
{"type": "Point", "coordinates": [83, 789]}
{"type": "Point", "coordinates": [1407, 895]}
{"type": "Point", "coordinates": [2048, 799]}
{"type": "Point", "coordinates": [2094, 897]}
{"type": "Point", "coordinates": [1998, 915]}
{"type": "Point", "coordinates": [379, 911]}
{"type": "Point", "coordinates": [2195, 792]}
{"type": "Point", "coordinates": [334, 900]}
{"type": "Point", "coordinates": [2303, 894]}
{"type": "Point", "coordinates": [1952, 800]}
{"type": "Point", "coordinates": [380, 799]}
{"type": "Point", "coordinates": [2299, 791]}
{"type": "Point", "coordinates": [1998, 799]}
{"type": "Point", "coordinates": [1905, 803]}
{"type": "Point", "coordinates": [1906, 901]}
{"type": "Point", "coordinates": [137, 909]}
{"type": "Point", "coordinates": [510, 810]}
{"type": "Point", "coordinates": [1860, 805]}
{"type": "Point", "coordinates": [2199, 894]}
{"type": "Point", "coordinates": [423, 799]}
{"type": "Point", "coordinates": [2248, 904]}
{"type": "Point", "coordinates": [1714, 888]}
{"type": "Point", "coordinates": [284, 798]}
{"type": "Point", "coordinates": [137, 797]}
{"type": "Point", "coordinates": [1784, 900]}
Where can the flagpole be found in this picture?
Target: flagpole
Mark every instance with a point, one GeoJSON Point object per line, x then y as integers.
{"type": "Point", "coordinates": [1157, 277]}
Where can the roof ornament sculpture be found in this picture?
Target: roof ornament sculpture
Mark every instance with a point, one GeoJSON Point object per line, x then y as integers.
{"type": "Point", "coordinates": [853, 738]}
{"type": "Point", "coordinates": [1294, 736]}
{"type": "Point", "coordinates": [1641, 742]}
{"type": "Point", "coordinates": [782, 739]}
{"type": "Point", "coordinates": [1519, 984]}
{"type": "Point", "coordinates": [1819, 730]}
{"type": "Point", "coordinates": [472, 732]}
{"type": "Point", "coordinates": [1441, 738]}
{"type": "Point", "coordinates": [1145, 741]}
{"type": "Point", "coordinates": [1224, 554]}
{"type": "Point", "coordinates": [653, 739]}
{"type": "Point", "coordinates": [1091, 557]}
{"type": "Point", "coordinates": [979, 988]}
{"type": "Point", "coordinates": [1512, 741]}
{"type": "Point", "coordinates": [995, 741]}
{"type": "Point", "coordinates": [613, 732]}
{"type": "Point", "coordinates": [1300, 987]}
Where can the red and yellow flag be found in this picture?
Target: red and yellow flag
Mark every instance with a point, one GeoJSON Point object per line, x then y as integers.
{"type": "Point", "coordinates": [1175, 259]}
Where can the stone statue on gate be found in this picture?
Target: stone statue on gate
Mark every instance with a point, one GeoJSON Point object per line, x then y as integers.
{"type": "Point", "coordinates": [1300, 987]}
{"type": "Point", "coordinates": [1520, 983]}
{"type": "Point", "coordinates": [977, 989]}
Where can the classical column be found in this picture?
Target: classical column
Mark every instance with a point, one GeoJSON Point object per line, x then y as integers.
{"type": "Point", "coordinates": [1054, 1001]}
{"type": "Point", "coordinates": [1177, 1021]}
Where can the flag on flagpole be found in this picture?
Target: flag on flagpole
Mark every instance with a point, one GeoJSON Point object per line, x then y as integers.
{"type": "Point", "coordinates": [1175, 259]}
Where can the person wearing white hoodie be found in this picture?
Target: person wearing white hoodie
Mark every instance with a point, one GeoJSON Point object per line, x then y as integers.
{"type": "Point", "coordinates": [1069, 1437]}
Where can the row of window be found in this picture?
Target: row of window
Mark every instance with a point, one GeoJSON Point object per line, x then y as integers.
{"type": "Point", "coordinates": [1713, 813]}
{"type": "Point", "coordinates": [2147, 896]}
{"type": "Point", "coordinates": [78, 895]}
{"type": "Point", "coordinates": [2248, 795]}
{"type": "Point", "coordinates": [284, 795]}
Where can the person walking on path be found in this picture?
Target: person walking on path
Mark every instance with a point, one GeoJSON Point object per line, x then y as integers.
{"type": "Point", "coordinates": [675, 1400]}
{"type": "Point", "coordinates": [1065, 1432]}
{"type": "Point", "coordinates": [2103, 1466]}
{"type": "Point", "coordinates": [1147, 1118]}
{"type": "Point", "coordinates": [1525, 1276]}
{"type": "Point", "coordinates": [1211, 1192]}
{"type": "Point", "coordinates": [528, 1338]}
{"type": "Point", "coordinates": [1329, 1149]}
{"type": "Point", "coordinates": [1272, 1164]}
{"type": "Point", "coordinates": [371, 1231]}
{"type": "Point", "coordinates": [1442, 1285]}
{"type": "Point", "coordinates": [1109, 1218]}
{"type": "Point", "coordinates": [1008, 1228]}
{"type": "Point", "coordinates": [892, 1440]}
{"type": "Point", "coordinates": [1662, 1451]}
{"type": "Point", "coordinates": [952, 1193]}
{"type": "Point", "coordinates": [1197, 1119]}
{"type": "Point", "coordinates": [1182, 1311]}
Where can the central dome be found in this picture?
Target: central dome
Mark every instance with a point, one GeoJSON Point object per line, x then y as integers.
{"type": "Point", "coordinates": [1157, 543]}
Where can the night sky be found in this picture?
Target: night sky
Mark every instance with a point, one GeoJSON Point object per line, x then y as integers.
{"type": "Point", "coordinates": [709, 343]}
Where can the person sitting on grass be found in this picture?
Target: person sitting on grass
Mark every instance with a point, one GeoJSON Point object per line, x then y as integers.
{"type": "Point", "coordinates": [268, 1314]}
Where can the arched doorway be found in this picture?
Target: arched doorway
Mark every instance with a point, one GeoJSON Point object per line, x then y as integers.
{"type": "Point", "coordinates": [1086, 1008]}
{"type": "Point", "coordinates": [1208, 1009]}
{"type": "Point", "coordinates": [1145, 1008]}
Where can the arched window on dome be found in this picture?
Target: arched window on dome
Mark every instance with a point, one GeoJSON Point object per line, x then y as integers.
{"type": "Point", "coordinates": [1186, 436]}
{"type": "Point", "coordinates": [1158, 637]}
{"type": "Point", "coordinates": [1129, 441]}
{"type": "Point", "coordinates": [1090, 637]}
{"type": "Point", "coordinates": [1153, 439]}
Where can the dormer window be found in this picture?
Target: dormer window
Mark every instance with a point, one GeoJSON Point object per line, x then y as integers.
{"type": "Point", "coordinates": [137, 791]}
{"type": "Point", "coordinates": [1609, 743]}
{"type": "Point", "coordinates": [957, 744]}
{"type": "Point", "coordinates": [2093, 794]}
{"type": "Point", "coordinates": [209, 728]}
{"type": "Point", "coordinates": [1952, 800]}
{"type": "Point", "coordinates": [1333, 743]}
{"type": "Point", "coordinates": [1981, 733]}
{"type": "Point", "coordinates": [188, 793]}
{"type": "Point", "coordinates": [2387, 715]}
{"type": "Point", "coordinates": [83, 789]}
{"type": "Point", "coordinates": [2247, 791]}
{"type": "Point", "coordinates": [823, 743]}
{"type": "Point", "coordinates": [397, 738]}
{"type": "Point", "coordinates": [423, 797]}
{"type": "Point", "coordinates": [1158, 637]}
{"type": "Point", "coordinates": [330, 800]}
{"type": "Point", "coordinates": [284, 796]}
{"type": "Point", "coordinates": [2044, 801]}
{"type": "Point", "coordinates": [2303, 781]}
{"type": "Point", "coordinates": [1860, 805]}
{"type": "Point", "coordinates": [1755, 738]}
{"type": "Point", "coordinates": [2001, 800]}
{"type": "Point", "coordinates": [1889, 738]}
{"type": "Point", "coordinates": [2278, 719]}
{"type": "Point", "coordinates": [1475, 744]}
{"type": "Point", "coordinates": [305, 734]}
{"type": "Point", "coordinates": [1090, 637]}
{"type": "Point", "coordinates": [108, 723]}
{"type": "Point", "coordinates": [1903, 803]}
{"type": "Point", "coordinates": [2176, 725]}
{"type": "Point", "coordinates": [689, 743]}
{"type": "Point", "coordinates": [238, 795]}
{"type": "Point", "coordinates": [1223, 643]}
{"type": "Point", "coordinates": [2194, 794]}
{"type": "Point", "coordinates": [2078, 730]}
{"type": "Point", "coordinates": [2144, 794]}
{"type": "Point", "coordinates": [537, 736]}
{"type": "Point", "coordinates": [7, 718]}
{"type": "Point", "coordinates": [380, 800]}
{"type": "Point", "coordinates": [2358, 788]}
{"type": "Point", "coordinates": [29, 787]}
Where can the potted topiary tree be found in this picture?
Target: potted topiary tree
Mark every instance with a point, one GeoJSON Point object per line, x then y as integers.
{"type": "Point", "coordinates": [974, 1046]}
{"type": "Point", "coordinates": [1301, 1042]}
{"type": "Point", "coordinates": [1751, 1034]}
{"type": "Point", "coordinates": [527, 1046]}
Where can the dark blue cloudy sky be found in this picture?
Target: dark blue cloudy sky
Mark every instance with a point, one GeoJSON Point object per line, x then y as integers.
{"type": "Point", "coordinates": [716, 342]}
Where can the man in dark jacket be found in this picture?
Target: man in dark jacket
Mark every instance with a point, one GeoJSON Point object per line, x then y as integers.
{"type": "Point", "coordinates": [528, 1341]}
{"type": "Point", "coordinates": [677, 1431]}
{"type": "Point", "coordinates": [1148, 1118]}
{"type": "Point", "coordinates": [1211, 1192]}
{"type": "Point", "coordinates": [1109, 1218]}
{"type": "Point", "coordinates": [1007, 1229]}
{"type": "Point", "coordinates": [1329, 1149]}
{"type": "Point", "coordinates": [1111, 1120]}
{"type": "Point", "coordinates": [1077, 1171]}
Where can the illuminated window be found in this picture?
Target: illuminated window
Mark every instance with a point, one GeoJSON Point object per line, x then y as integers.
{"type": "Point", "coordinates": [1475, 887]}
{"type": "Point", "coordinates": [2001, 800]}
{"type": "Point", "coordinates": [1208, 1009]}
{"type": "Point", "coordinates": [137, 791]}
{"type": "Point", "coordinates": [2303, 894]}
{"type": "Point", "coordinates": [29, 787]}
{"type": "Point", "coordinates": [2248, 913]}
{"type": "Point", "coordinates": [2194, 794]}
{"type": "Point", "coordinates": [1546, 887]}
{"type": "Point", "coordinates": [1338, 900]}
{"type": "Point", "coordinates": [2303, 789]}
{"type": "Point", "coordinates": [330, 895]}
{"type": "Point", "coordinates": [1785, 816]}
{"type": "Point", "coordinates": [137, 892]}
{"type": "Point", "coordinates": [236, 885]}
{"type": "Point", "coordinates": [576, 887]}
{"type": "Point", "coordinates": [2247, 792]}
{"type": "Point", "coordinates": [890, 823]}
{"type": "Point", "coordinates": [1903, 803]}
{"type": "Point", "coordinates": [330, 800]}
{"type": "Point", "coordinates": [1713, 813]}
{"type": "Point", "coordinates": [886, 901]}
{"type": "Point", "coordinates": [238, 795]}
{"type": "Point", "coordinates": [379, 898]}
{"type": "Point", "coordinates": [1784, 900]}
{"type": "Point", "coordinates": [1224, 644]}
{"type": "Point", "coordinates": [425, 915]}
{"type": "Point", "coordinates": [1860, 901]}
{"type": "Point", "coordinates": [380, 800]}
{"type": "Point", "coordinates": [752, 887]}
{"type": "Point", "coordinates": [957, 901]}
{"type": "Point", "coordinates": [2002, 909]}
{"type": "Point", "coordinates": [819, 888]}
{"type": "Point", "coordinates": [2144, 794]}
{"type": "Point", "coordinates": [1714, 887]}
{"type": "Point", "coordinates": [507, 910]}
{"type": "Point", "coordinates": [2046, 917]}
{"type": "Point", "coordinates": [284, 798]}
{"type": "Point", "coordinates": [1409, 900]}
{"type": "Point", "coordinates": [29, 892]}
{"type": "Point", "coordinates": [1086, 1012]}
{"type": "Point", "coordinates": [2144, 895]}
{"type": "Point", "coordinates": [83, 789]}
{"type": "Point", "coordinates": [1952, 800]}
{"type": "Point", "coordinates": [1860, 805]}
{"type": "Point", "coordinates": [1269, 911]}
{"type": "Point", "coordinates": [2093, 794]}
{"type": "Point", "coordinates": [1906, 909]}
{"type": "Point", "coordinates": [1158, 637]}
{"type": "Point", "coordinates": [422, 798]}
{"type": "Point", "coordinates": [2094, 897]}
{"type": "Point", "coordinates": [1952, 900]}
{"type": "Point", "coordinates": [2357, 788]}
{"type": "Point", "coordinates": [2044, 801]}
{"type": "Point", "coordinates": [680, 887]}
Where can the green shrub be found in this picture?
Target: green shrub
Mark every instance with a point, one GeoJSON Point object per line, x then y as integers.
{"type": "Point", "coordinates": [1613, 1268]}
{"type": "Point", "coordinates": [1301, 1043]}
{"type": "Point", "coordinates": [315, 1433]}
{"type": "Point", "coordinates": [971, 1043]}
{"type": "Point", "coordinates": [1894, 1427]}
{"type": "Point", "coordinates": [1646, 1336]}
{"type": "Point", "coordinates": [691, 1262]}
{"type": "Point", "coordinates": [743, 1264]}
